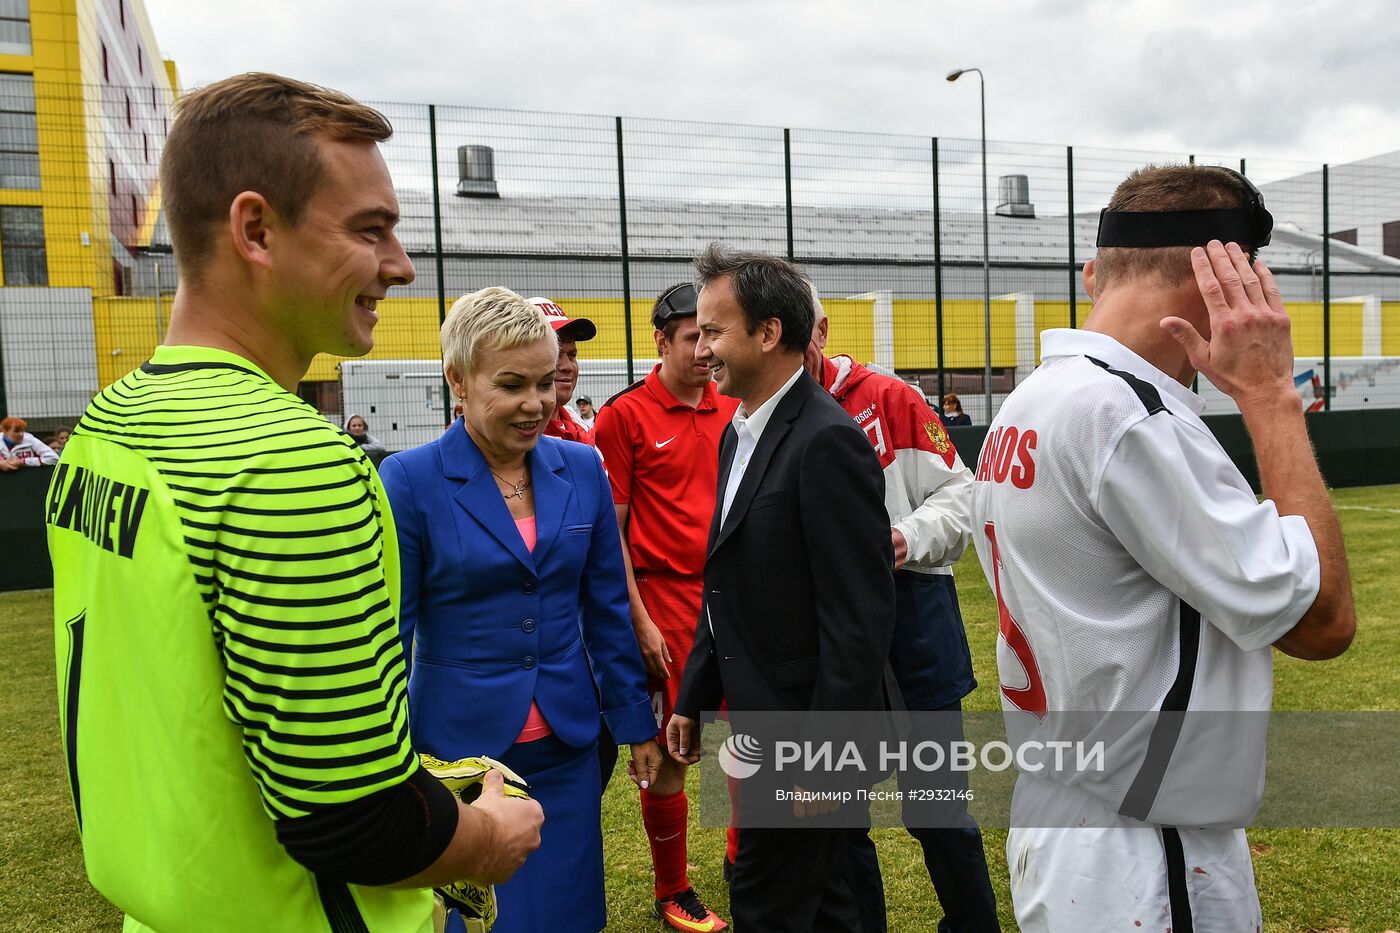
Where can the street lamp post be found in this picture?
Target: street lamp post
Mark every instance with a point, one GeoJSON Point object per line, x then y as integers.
{"type": "Point", "coordinates": [986, 243]}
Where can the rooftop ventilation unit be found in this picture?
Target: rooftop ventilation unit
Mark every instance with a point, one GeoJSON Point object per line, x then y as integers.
{"type": "Point", "coordinates": [476, 172]}
{"type": "Point", "coordinates": [1014, 196]}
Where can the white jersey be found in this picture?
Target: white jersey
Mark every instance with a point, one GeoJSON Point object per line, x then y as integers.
{"type": "Point", "coordinates": [30, 451]}
{"type": "Point", "coordinates": [1134, 570]}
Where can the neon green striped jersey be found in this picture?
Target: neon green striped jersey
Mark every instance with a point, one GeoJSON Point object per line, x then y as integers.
{"type": "Point", "coordinates": [225, 599]}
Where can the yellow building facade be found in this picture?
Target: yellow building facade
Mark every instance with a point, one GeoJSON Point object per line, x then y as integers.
{"type": "Point", "coordinates": [85, 99]}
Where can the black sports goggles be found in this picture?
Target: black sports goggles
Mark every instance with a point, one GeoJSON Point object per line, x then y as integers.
{"type": "Point", "coordinates": [677, 302]}
{"type": "Point", "coordinates": [1249, 226]}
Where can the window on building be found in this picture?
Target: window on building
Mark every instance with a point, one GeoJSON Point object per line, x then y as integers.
{"type": "Point", "coordinates": [146, 146]}
{"type": "Point", "coordinates": [1390, 238]}
{"type": "Point", "coordinates": [111, 177]}
{"type": "Point", "coordinates": [106, 70]}
{"type": "Point", "coordinates": [135, 213]}
{"type": "Point", "coordinates": [22, 243]}
{"type": "Point", "coordinates": [1344, 236]}
{"type": "Point", "coordinates": [14, 28]}
{"type": "Point", "coordinates": [19, 133]}
{"type": "Point", "coordinates": [140, 61]}
{"type": "Point", "coordinates": [121, 12]}
{"type": "Point", "coordinates": [128, 110]}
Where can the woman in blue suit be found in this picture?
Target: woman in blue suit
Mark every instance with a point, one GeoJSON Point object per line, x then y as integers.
{"type": "Point", "coordinates": [514, 610]}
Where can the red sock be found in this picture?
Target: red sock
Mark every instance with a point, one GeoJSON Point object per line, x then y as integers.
{"type": "Point", "coordinates": [731, 835]}
{"type": "Point", "coordinates": [664, 819]}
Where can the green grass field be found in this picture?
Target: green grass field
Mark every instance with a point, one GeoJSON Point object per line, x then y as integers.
{"type": "Point", "coordinates": [1309, 880]}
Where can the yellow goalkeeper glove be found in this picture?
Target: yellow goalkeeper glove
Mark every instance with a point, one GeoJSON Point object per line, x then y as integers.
{"type": "Point", "coordinates": [476, 902]}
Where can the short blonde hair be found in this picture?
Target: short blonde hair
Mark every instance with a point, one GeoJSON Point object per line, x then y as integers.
{"type": "Point", "coordinates": [493, 317]}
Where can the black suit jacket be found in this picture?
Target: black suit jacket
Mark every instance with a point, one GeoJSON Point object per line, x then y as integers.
{"type": "Point", "coordinates": [798, 606]}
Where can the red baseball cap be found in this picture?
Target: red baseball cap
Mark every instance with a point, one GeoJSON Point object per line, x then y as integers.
{"type": "Point", "coordinates": [576, 329]}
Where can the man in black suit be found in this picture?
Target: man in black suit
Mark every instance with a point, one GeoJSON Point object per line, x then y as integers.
{"type": "Point", "coordinates": [798, 604]}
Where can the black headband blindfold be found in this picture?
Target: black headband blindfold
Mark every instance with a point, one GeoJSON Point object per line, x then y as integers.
{"type": "Point", "coordinates": [1250, 226]}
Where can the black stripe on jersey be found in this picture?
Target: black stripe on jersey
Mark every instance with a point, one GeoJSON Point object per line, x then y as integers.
{"type": "Point", "coordinates": [159, 369]}
{"type": "Point", "coordinates": [242, 456]}
{"type": "Point", "coordinates": [342, 913]}
{"type": "Point", "coordinates": [256, 491]}
{"type": "Point", "coordinates": [267, 729]}
{"type": "Point", "coordinates": [1146, 392]}
{"type": "Point", "coordinates": [320, 532]}
{"type": "Point", "coordinates": [228, 594]}
{"type": "Point", "coordinates": [313, 670]}
{"type": "Point", "coordinates": [264, 756]}
{"type": "Point", "coordinates": [248, 706]}
{"type": "Point", "coordinates": [1177, 895]}
{"type": "Point", "coordinates": [328, 647]}
{"type": "Point", "coordinates": [632, 388]}
{"type": "Point", "coordinates": [375, 687]}
{"type": "Point", "coordinates": [250, 577]}
{"type": "Point", "coordinates": [280, 801]}
{"type": "Point", "coordinates": [274, 556]}
{"type": "Point", "coordinates": [251, 410]}
{"type": "Point", "coordinates": [1161, 744]}
{"type": "Point", "coordinates": [217, 506]}
{"type": "Point", "coordinates": [75, 676]}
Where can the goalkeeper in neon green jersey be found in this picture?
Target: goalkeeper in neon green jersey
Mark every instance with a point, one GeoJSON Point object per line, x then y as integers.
{"type": "Point", "coordinates": [230, 679]}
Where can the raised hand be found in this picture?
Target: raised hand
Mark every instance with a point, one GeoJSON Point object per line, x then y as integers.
{"type": "Point", "coordinates": [1249, 355]}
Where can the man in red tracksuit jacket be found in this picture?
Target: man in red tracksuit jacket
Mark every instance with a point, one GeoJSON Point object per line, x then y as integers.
{"type": "Point", "coordinates": [928, 494]}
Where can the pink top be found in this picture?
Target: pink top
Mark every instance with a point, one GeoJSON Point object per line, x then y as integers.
{"type": "Point", "coordinates": [535, 725]}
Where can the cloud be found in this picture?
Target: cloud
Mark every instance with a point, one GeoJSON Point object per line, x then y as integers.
{"type": "Point", "coordinates": [1250, 78]}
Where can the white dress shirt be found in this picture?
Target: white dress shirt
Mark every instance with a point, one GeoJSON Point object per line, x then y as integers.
{"type": "Point", "coordinates": [750, 429]}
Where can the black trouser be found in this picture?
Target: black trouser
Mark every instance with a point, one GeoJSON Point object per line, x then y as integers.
{"type": "Point", "coordinates": [792, 881]}
{"type": "Point", "coordinates": [928, 654]}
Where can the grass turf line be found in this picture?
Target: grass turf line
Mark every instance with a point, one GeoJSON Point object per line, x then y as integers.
{"type": "Point", "coordinates": [1309, 880]}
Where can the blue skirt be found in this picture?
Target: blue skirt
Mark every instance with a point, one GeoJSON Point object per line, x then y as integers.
{"type": "Point", "coordinates": [559, 889]}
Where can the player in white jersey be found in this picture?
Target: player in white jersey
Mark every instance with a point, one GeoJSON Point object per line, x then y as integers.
{"type": "Point", "coordinates": [1134, 569]}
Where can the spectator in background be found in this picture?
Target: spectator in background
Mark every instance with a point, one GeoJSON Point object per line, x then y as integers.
{"type": "Point", "coordinates": [570, 331]}
{"type": "Point", "coordinates": [358, 430]}
{"type": "Point", "coordinates": [953, 415]}
{"type": "Point", "coordinates": [19, 448]}
{"type": "Point", "coordinates": [586, 414]}
{"type": "Point", "coordinates": [60, 437]}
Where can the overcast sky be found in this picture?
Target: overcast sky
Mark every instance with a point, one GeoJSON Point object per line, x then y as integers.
{"type": "Point", "coordinates": [1285, 79]}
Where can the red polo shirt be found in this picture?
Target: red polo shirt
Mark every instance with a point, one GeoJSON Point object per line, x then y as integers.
{"type": "Point", "coordinates": [565, 426]}
{"type": "Point", "coordinates": [663, 461]}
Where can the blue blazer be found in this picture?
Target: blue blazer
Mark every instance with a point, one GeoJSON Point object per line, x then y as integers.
{"type": "Point", "coordinates": [487, 625]}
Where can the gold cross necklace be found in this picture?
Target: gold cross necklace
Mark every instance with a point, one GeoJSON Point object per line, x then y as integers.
{"type": "Point", "coordinates": [519, 487]}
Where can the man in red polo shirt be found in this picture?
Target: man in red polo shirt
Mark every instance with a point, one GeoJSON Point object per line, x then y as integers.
{"type": "Point", "coordinates": [571, 332]}
{"type": "Point", "coordinates": [660, 440]}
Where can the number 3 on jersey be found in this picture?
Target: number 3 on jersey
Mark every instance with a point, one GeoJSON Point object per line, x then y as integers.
{"type": "Point", "coordinates": [1031, 697]}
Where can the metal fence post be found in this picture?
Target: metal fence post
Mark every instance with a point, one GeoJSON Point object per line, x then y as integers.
{"type": "Point", "coordinates": [787, 179]}
{"type": "Point", "coordinates": [437, 246]}
{"type": "Point", "coordinates": [1326, 294]}
{"type": "Point", "coordinates": [626, 263]}
{"type": "Point", "coordinates": [937, 276]}
{"type": "Point", "coordinates": [1073, 279]}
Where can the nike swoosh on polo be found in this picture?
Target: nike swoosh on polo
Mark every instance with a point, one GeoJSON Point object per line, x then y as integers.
{"type": "Point", "coordinates": [661, 444]}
